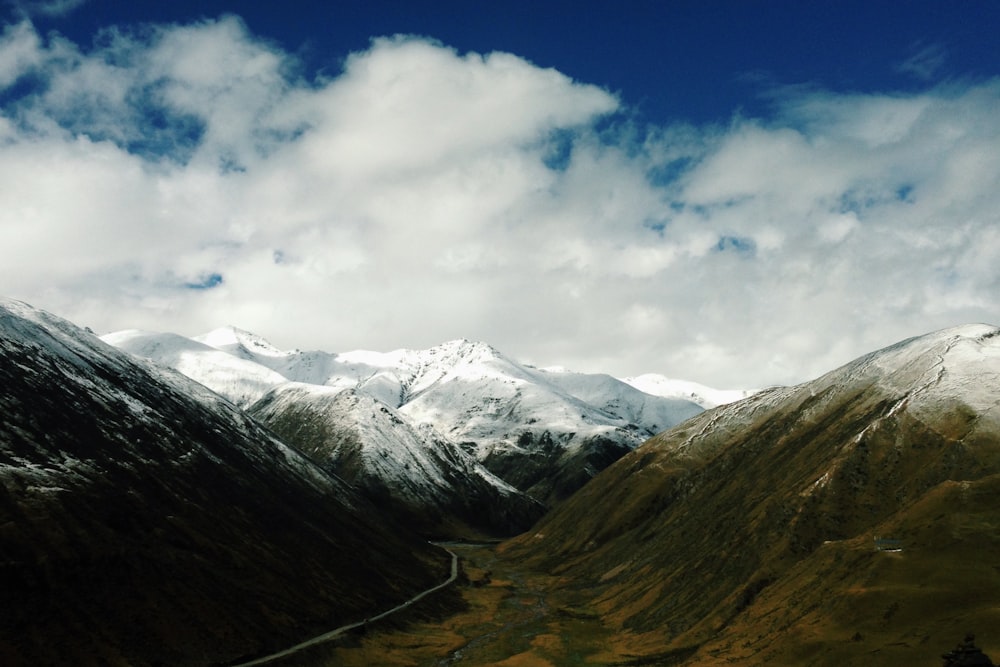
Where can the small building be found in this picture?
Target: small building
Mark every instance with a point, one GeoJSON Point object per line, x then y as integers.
{"type": "Point", "coordinates": [888, 544]}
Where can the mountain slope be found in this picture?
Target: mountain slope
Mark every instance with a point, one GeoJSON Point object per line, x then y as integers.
{"type": "Point", "coordinates": [237, 377]}
{"type": "Point", "coordinates": [622, 400]}
{"type": "Point", "coordinates": [429, 482]}
{"type": "Point", "coordinates": [706, 397]}
{"type": "Point", "coordinates": [746, 535]}
{"type": "Point", "coordinates": [544, 432]}
{"type": "Point", "coordinates": [145, 520]}
{"type": "Point", "coordinates": [547, 433]}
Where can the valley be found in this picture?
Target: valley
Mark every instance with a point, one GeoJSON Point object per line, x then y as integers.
{"type": "Point", "coordinates": [146, 519]}
{"type": "Point", "coordinates": [301, 648]}
{"type": "Point", "coordinates": [505, 614]}
{"type": "Point", "coordinates": [499, 334]}
{"type": "Point", "coordinates": [852, 518]}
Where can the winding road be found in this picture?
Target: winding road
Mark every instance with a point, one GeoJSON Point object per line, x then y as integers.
{"type": "Point", "coordinates": [336, 632]}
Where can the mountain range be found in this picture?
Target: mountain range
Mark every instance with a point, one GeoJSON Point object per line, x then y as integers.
{"type": "Point", "coordinates": [458, 434]}
{"type": "Point", "coordinates": [254, 497]}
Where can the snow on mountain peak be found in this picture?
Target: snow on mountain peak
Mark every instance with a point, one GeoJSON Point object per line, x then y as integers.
{"type": "Point", "coordinates": [467, 391]}
{"type": "Point", "coordinates": [238, 341]}
{"type": "Point", "coordinates": [226, 372]}
{"type": "Point", "coordinates": [957, 361]}
{"type": "Point", "coordinates": [706, 397]}
{"type": "Point", "coordinates": [461, 352]}
{"type": "Point", "coordinates": [977, 330]}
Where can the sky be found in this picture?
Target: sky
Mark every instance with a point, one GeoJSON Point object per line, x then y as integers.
{"type": "Point", "coordinates": [734, 193]}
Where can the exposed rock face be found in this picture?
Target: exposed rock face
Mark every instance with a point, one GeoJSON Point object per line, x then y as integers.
{"type": "Point", "coordinates": [145, 520]}
{"type": "Point", "coordinates": [746, 533]}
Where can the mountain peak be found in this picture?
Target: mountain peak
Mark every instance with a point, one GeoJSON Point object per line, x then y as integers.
{"type": "Point", "coordinates": [464, 351]}
{"type": "Point", "coordinates": [234, 339]}
{"type": "Point", "coordinates": [960, 349]}
{"type": "Point", "coordinates": [977, 330]}
{"type": "Point", "coordinates": [466, 345]}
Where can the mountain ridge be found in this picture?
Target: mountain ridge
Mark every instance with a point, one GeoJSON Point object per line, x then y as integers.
{"type": "Point", "coordinates": [743, 535]}
{"type": "Point", "coordinates": [424, 479]}
{"type": "Point", "coordinates": [144, 519]}
{"type": "Point", "coordinates": [544, 432]}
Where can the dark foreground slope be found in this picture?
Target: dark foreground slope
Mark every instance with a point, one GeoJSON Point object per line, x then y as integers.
{"type": "Point", "coordinates": [144, 520]}
{"type": "Point", "coordinates": [747, 535]}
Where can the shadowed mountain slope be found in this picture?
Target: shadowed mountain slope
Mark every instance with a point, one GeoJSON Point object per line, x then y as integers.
{"type": "Point", "coordinates": [428, 482]}
{"type": "Point", "coordinates": [747, 535]}
{"type": "Point", "coordinates": [145, 520]}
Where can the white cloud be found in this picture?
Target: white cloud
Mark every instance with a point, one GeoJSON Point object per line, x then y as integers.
{"type": "Point", "coordinates": [414, 198]}
{"type": "Point", "coordinates": [926, 61]}
{"type": "Point", "coordinates": [28, 8]}
{"type": "Point", "coordinates": [19, 52]}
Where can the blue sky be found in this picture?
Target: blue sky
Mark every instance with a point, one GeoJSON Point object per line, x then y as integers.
{"type": "Point", "coordinates": [697, 61]}
{"type": "Point", "coordinates": [737, 193]}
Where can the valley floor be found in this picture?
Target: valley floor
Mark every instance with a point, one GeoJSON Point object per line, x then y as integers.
{"type": "Point", "coordinates": [500, 614]}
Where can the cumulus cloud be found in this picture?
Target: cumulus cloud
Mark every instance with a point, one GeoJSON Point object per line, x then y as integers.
{"type": "Point", "coordinates": [183, 177]}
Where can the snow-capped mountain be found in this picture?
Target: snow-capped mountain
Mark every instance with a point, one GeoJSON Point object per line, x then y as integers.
{"type": "Point", "coordinates": [239, 378]}
{"type": "Point", "coordinates": [544, 431]}
{"type": "Point", "coordinates": [755, 530]}
{"type": "Point", "coordinates": [428, 481]}
{"type": "Point", "coordinates": [147, 520]}
{"type": "Point", "coordinates": [706, 397]}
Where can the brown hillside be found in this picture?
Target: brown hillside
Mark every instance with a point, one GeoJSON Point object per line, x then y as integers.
{"type": "Point", "coordinates": [746, 535]}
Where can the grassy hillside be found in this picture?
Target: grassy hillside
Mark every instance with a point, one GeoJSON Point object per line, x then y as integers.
{"type": "Point", "coordinates": [746, 535]}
